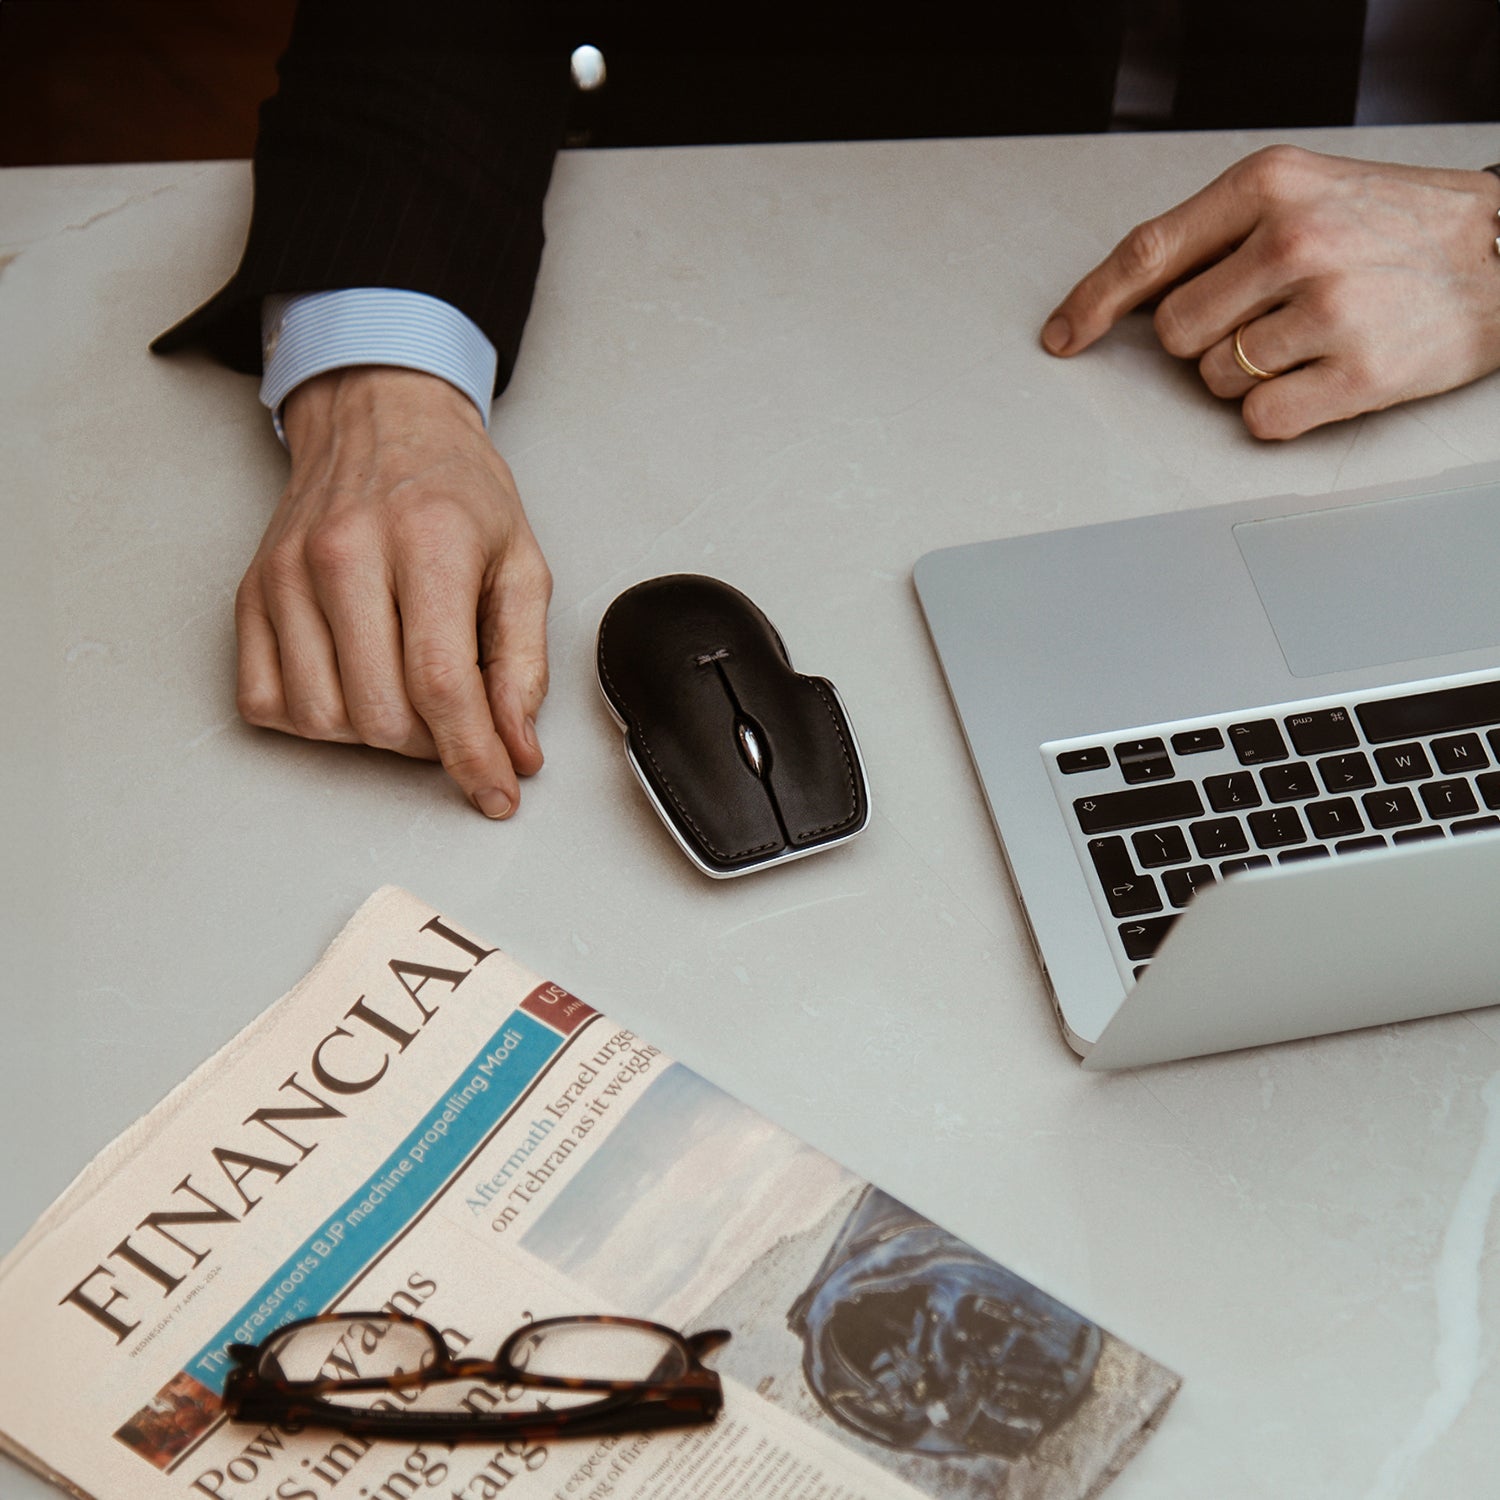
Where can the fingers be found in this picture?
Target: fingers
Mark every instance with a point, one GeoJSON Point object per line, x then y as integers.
{"type": "Point", "coordinates": [259, 695]}
{"type": "Point", "coordinates": [357, 664]}
{"type": "Point", "coordinates": [439, 609]}
{"type": "Point", "coordinates": [320, 644]}
{"type": "Point", "coordinates": [513, 650]}
{"type": "Point", "coordinates": [363, 616]}
{"type": "Point", "coordinates": [1276, 343]}
{"type": "Point", "coordinates": [288, 668]}
{"type": "Point", "coordinates": [1308, 387]}
{"type": "Point", "coordinates": [1318, 393]}
{"type": "Point", "coordinates": [309, 668]}
{"type": "Point", "coordinates": [1152, 257]}
{"type": "Point", "coordinates": [1251, 280]}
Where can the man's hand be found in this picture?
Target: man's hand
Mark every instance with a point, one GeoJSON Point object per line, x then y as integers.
{"type": "Point", "coordinates": [398, 598]}
{"type": "Point", "coordinates": [1361, 284]}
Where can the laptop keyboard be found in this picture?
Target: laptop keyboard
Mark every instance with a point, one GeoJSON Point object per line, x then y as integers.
{"type": "Point", "coordinates": [1160, 811]}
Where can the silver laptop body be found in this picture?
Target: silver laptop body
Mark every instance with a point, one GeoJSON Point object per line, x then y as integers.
{"type": "Point", "coordinates": [1088, 639]}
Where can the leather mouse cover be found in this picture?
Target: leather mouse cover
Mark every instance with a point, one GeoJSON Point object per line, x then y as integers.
{"type": "Point", "coordinates": [749, 761]}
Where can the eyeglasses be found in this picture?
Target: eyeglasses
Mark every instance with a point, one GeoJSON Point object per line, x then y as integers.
{"type": "Point", "coordinates": [357, 1372]}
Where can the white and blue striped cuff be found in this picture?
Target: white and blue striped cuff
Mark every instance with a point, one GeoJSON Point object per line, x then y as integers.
{"type": "Point", "coordinates": [305, 334]}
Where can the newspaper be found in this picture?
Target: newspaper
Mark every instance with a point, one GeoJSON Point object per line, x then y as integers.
{"type": "Point", "coordinates": [422, 1124]}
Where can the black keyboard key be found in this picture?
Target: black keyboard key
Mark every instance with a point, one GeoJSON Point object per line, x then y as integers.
{"type": "Point", "coordinates": [1143, 938]}
{"type": "Point", "coordinates": [1353, 846]}
{"type": "Point", "coordinates": [1346, 773]}
{"type": "Point", "coordinates": [1160, 846]}
{"type": "Point", "coordinates": [1128, 893]}
{"type": "Point", "coordinates": [1216, 837]}
{"type": "Point", "coordinates": [1239, 866]}
{"type": "Point", "coordinates": [1320, 730]}
{"type": "Point", "coordinates": [1232, 792]}
{"type": "Point", "coordinates": [1196, 741]}
{"type": "Point", "coordinates": [1473, 825]}
{"type": "Point", "coordinates": [1257, 741]}
{"type": "Point", "coordinates": [1143, 760]}
{"type": "Point", "coordinates": [1308, 851]}
{"type": "Point", "coordinates": [1489, 788]}
{"type": "Point", "coordinates": [1442, 712]}
{"type": "Point", "coordinates": [1494, 738]}
{"type": "Point", "coordinates": [1403, 763]}
{"type": "Point", "coordinates": [1418, 835]}
{"type": "Point", "coordinates": [1277, 826]}
{"type": "Point", "coordinates": [1463, 752]}
{"type": "Point", "coordinates": [1071, 762]}
{"type": "Point", "coordinates": [1449, 799]}
{"type": "Point", "coordinates": [1183, 885]}
{"type": "Point", "coordinates": [1289, 783]}
{"type": "Point", "coordinates": [1166, 802]}
{"type": "Point", "coordinates": [1336, 819]}
{"type": "Point", "coordinates": [1391, 808]}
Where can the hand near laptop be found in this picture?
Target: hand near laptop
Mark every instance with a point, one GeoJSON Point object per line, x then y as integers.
{"type": "Point", "coordinates": [1350, 285]}
{"type": "Point", "coordinates": [399, 598]}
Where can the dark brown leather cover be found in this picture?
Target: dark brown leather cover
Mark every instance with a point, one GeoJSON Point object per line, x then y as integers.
{"type": "Point", "coordinates": [683, 661]}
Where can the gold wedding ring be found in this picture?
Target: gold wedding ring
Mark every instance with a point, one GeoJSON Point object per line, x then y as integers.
{"type": "Point", "coordinates": [1243, 360]}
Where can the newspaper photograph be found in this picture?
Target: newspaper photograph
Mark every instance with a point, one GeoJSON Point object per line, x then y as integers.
{"type": "Point", "coordinates": [423, 1129]}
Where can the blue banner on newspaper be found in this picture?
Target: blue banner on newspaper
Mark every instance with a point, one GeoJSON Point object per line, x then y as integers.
{"type": "Point", "coordinates": [397, 1191]}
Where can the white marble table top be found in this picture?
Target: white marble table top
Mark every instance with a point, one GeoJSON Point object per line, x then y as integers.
{"type": "Point", "coordinates": [797, 368]}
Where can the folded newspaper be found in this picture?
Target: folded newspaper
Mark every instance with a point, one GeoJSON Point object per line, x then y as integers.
{"type": "Point", "coordinates": [422, 1125]}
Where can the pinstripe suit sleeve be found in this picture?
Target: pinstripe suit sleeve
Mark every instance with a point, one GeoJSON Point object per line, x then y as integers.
{"type": "Point", "coordinates": [409, 146]}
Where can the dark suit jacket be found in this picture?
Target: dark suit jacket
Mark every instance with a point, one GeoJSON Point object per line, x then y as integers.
{"type": "Point", "coordinates": [410, 145]}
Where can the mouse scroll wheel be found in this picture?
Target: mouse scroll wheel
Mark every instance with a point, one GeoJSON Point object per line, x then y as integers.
{"type": "Point", "coordinates": [753, 749]}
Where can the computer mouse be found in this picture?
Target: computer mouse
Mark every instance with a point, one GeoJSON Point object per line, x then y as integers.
{"type": "Point", "coordinates": [748, 762]}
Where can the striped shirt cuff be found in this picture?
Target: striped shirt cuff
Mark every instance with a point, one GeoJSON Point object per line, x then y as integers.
{"type": "Point", "coordinates": [305, 334]}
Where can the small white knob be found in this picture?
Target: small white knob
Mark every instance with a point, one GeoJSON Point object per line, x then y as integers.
{"type": "Point", "coordinates": [588, 68]}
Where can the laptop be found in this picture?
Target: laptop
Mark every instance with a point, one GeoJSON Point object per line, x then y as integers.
{"type": "Point", "coordinates": [1243, 761]}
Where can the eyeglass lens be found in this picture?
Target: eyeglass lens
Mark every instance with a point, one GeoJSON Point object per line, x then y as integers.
{"type": "Point", "coordinates": [600, 1351]}
{"type": "Point", "coordinates": [375, 1348]}
{"type": "Point", "coordinates": [348, 1349]}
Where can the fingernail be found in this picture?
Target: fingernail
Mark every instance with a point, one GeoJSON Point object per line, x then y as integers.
{"type": "Point", "coordinates": [493, 803]}
{"type": "Point", "coordinates": [529, 730]}
{"type": "Point", "coordinates": [1057, 335]}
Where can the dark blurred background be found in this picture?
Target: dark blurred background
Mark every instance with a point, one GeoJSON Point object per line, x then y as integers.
{"type": "Point", "coordinates": [135, 80]}
{"type": "Point", "coordinates": [180, 80]}
{"type": "Point", "coordinates": [175, 80]}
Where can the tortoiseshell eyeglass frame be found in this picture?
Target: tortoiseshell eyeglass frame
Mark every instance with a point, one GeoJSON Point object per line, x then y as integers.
{"type": "Point", "coordinates": [690, 1398]}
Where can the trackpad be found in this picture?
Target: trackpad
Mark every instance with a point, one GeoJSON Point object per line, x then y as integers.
{"type": "Point", "coordinates": [1387, 581]}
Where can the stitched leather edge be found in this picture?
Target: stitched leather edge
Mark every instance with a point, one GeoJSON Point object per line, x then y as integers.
{"type": "Point", "coordinates": [851, 776]}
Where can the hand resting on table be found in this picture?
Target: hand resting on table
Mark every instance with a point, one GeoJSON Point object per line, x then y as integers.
{"type": "Point", "coordinates": [399, 598]}
{"type": "Point", "coordinates": [1356, 284]}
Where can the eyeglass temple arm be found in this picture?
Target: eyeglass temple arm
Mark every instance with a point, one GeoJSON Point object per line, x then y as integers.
{"type": "Point", "coordinates": [620, 1413]}
{"type": "Point", "coordinates": [706, 1342]}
